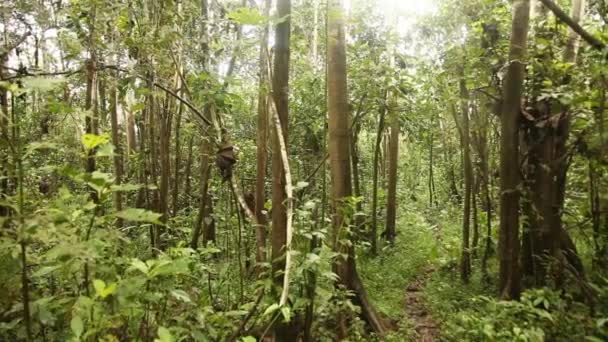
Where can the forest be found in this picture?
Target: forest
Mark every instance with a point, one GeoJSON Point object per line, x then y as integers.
{"type": "Point", "coordinates": [303, 170]}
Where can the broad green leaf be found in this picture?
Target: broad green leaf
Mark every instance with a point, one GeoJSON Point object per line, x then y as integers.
{"type": "Point", "coordinates": [248, 339]}
{"type": "Point", "coordinates": [247, 16]}
{"type": "Point", "coordinates": [181, 295]}
{"type": "Point", "coordinates": [140, 265]}
{"type": "Point", "coordinates": [286, 312]}
{"type": "Point", "coordinates": [99, 286]}
{"type": "Point", "coordinates": [271, 309]}
{"type": "Point", "coordinates": [164, 335]}
{"type": "Point", "coordinates": [139, 215]}
{"type": "Point", "coordinates": [77, 326]}
{"type": "Point", "coordinates": [90, 141]}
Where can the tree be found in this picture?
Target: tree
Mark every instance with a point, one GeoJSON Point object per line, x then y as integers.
{"type": "Point", "coordinates": [509, 273]}
{"type": "Point", "coordinates": [280, 87]}
{"type": "Point", "coordinates": [262, 142]}
{"type": "Point", "coordinates": [339, 156]}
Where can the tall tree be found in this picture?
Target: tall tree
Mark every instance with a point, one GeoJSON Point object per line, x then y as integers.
{"type": "Point", "coordinates": [339, 156]}
{"type": "Point", "coordinates": [465, 259]}
{"type": "Point", "coordinates": [262, 141]}
{"type": "Point", "coordinates": [393, 162]}
{"type": "Point", "coordinates": [280, 88]}
{"type": "Point", "coordinates": [509, 273]}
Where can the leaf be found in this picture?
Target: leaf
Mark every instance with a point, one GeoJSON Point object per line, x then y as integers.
{"type": "Point", "coordinates": [181, 295]}
{"type": "Point", "coordinates": [140, 266]}
{"type": "Point", "coordinates": [271, 309]}
{"type": "Point", "coordinates": [77, 326]}
{"type": "Point", "coordinates": [42, 83]}
{"type": "Point", "coordinates": [286, 312]}
{"type": "Point", "coordinates": [99, 286]}
{"type": "Point", "coordinates": [247, 16]}
{"type": "Point", "coordinates": [248, 339]}
{"type": "Point", "coordinates": [90, 141]}
{"type": "Point", "coordinates": [105, 150]}
{"type": "Point", "coordinates": [164, 335]}
{"type": "Point", "coordinates": [139, 215]}
{"type": "Point", "coordinates": [103, 290]}
{"type": "Point", "coordinates": [125, 187]}
{"type": "Point", "coordinates": [300, 185]}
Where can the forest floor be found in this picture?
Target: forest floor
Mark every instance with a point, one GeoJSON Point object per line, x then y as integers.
{"type": "Point", "coordinates": [425, 326]}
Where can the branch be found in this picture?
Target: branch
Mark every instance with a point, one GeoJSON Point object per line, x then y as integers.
{"type": "Point", "coordinates": [588, 37]}
{"type": "Point", "coordinates": [167, 90]}
{"type": "Point", "coordinates": [15, 44]}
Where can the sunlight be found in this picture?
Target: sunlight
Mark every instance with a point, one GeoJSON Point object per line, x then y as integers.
{"type": "Point", "coordinates": [417, 7]}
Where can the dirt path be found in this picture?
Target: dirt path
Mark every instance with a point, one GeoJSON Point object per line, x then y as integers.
{"type": "Point", "coordinates": [427, 329]}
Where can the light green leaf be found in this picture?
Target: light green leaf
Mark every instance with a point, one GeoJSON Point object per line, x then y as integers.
{"type": "Point", "coordinates": [77, 326]}
{"type": "Point", "coordinates": [99, 286]}
{"type": "Point", "coordinates": [140, 265]}
{"type": "Point", "coordinates": [164, 335]}
{"type": "Point", "coordinates": [247, 16]}
{"type": "Point", "coordinates": [181, 295]}
{"type": "Point", "coordinates": [271, 309]}
{"type": "Point", "coordinates": [286, 312]}
{"type": "Point", "coordinates": [90, 141]}
{"type": "Point", "coordinates": [139, 215]}
{"type": "Point", "coordinates": [248, 339]}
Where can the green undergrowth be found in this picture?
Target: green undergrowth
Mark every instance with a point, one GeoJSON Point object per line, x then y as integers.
{"type": "Point", "coordinates": [387, 275]}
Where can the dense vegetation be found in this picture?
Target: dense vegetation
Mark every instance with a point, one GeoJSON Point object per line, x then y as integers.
{"type": "Point", "coordinates": [232, 170]}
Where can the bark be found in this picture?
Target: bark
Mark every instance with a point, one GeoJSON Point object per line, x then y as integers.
{"type": "Point", "coordinates": [337, 104]}
{"type": "Point", "coordinates": [375, 171]}
{"type": "Point", "coordinates": [188, 172]}
{"type": "Point", "coordinates": [91, 120]}
{"type": "Point", "coordinates": [4, 134]}
{"type": "Point", "coordinates": [391, 205]}
{"type": "Point", "coordinates": [118, 149]}
{"type": "Point", "coordinates": [548, 168]}
{"type": "Point", "coordinates": [281, 97]}
{"type": "Point", "coordinates": [178, 158]}
{"type": "Point", "coordinates": [509, 273]}
{"type": "Point", "coordinates": [465, 259]}
{"type": "Point", "coordinates": [262, 141]}
{"type": "Point", "coordinates": [280, 87]}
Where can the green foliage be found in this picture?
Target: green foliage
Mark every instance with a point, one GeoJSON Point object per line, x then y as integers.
{"type": "Point", "coordinates": [540, 315]}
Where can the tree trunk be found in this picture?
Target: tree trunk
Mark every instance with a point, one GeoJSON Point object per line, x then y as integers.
{"type": "Point", "coordinates": [465, 260]}
{"type": "Point", "coordinates": [280, 87]}
{"type": "Point", "coordinates": [339, 155]}
{"type": "Point", "coordinates": [91, 120]}
{"type": "Point", "coordinates": [375, 172]}
{"type": "Point", "coordinates": [117, 142]}
{"type": "Point", "coordinates": [391, 204]}
{"type": "Point", "coordinates": [509, 273]}
{"type": "Point", "coordinates": [178, 158]}
{"type": "Point", "coordinates": [262, 141]}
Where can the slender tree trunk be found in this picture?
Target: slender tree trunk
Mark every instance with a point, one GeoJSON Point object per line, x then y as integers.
{"type": "Point", "coordinates": [509, 273]}
{"type": "Point", "coordinates": [91, 123]}
{"type": "Point", "coordinates": [4, 134]}
{"type": "Point", "coordinates": [188, 172]}
{"type": "Point", "coordinates": [117, 142]}
{"type": "Point", "coordinates": [339, 155]}
{"type": "Point", "coordinates": [393, 157]}
{"type": "Point", "coordinates": [178, 158]}
{"type": "Point", "coordinates": [375, 171]}
{"type": "Point", "coordinates": [465, 260]}
{"type": "Point", "coordinates": [280, 87]}
{"type": "Point", "coordinates": [262, 143]}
